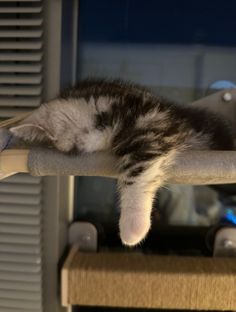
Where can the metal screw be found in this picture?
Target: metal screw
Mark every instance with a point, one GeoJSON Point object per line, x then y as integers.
{"type": "Point", "coordinates": [227, 97]}
{"type": "Point", "coordinates": [228, 244]}
{"type": "Point", "coordinates": [86, 238]}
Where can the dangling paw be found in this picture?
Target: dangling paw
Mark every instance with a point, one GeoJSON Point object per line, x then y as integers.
{"type": "Point", "coordinates": [134, 228]}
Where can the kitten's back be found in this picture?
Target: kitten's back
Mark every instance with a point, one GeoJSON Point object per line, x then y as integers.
{"type": "Point", "coordinates": [207, 122]}
{"type": "Point", "coordinates": [201, 120]}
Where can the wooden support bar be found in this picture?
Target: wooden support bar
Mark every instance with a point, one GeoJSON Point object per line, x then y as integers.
{"type": "Point", "coordinates": [148, 281]}
{"type": "Point", "coordinates": [14, 161]}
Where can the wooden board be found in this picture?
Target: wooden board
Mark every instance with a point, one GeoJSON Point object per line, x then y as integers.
{"type": "Point", "coordinates": [14, 160]}
{"type": "Point", "coordinates": [148, 281]}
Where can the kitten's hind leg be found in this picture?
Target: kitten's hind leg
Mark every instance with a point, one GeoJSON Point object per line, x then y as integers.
{"type": "Point", "coordinates": [136, 207]}
{"type": "Point", "coordinates": [137, 192]}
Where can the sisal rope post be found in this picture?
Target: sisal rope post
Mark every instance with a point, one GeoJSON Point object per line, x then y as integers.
{"type": "Point", "coordinates": [148, 281]}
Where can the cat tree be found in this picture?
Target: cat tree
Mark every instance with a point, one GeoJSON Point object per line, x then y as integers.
{"type": "Point", "coordinates": [134, 280]}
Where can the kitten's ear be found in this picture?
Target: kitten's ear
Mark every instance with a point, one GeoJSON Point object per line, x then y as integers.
{"type": "Point", "coordinates": [32, 132]}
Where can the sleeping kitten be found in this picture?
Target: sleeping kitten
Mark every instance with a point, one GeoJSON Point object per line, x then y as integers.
{"type": "Point", "coordinates": [144, 132]}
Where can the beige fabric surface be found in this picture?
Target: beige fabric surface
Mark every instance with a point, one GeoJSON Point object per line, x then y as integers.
{"type": "Point", "coordinates": [149, 281]}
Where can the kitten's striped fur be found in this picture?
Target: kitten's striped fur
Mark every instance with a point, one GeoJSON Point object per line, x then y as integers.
{"type": "Point", "coordinates": [145, 132]}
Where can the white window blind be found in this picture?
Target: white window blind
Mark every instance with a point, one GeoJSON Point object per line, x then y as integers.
{"type": "Point", "coordinates": [21, 35]}
{"type": "Point", "coordinates": [21, 57]}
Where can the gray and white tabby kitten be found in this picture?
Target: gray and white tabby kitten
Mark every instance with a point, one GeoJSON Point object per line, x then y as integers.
{"type": "Point", "coordinates": [144, 132]}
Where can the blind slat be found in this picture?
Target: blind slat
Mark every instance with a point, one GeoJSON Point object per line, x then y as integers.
{"type": "Point", "coordinates": [17, 229]}
{"type": "Point", "coordinates": [18, 210]}
{"type": "Point", "coordinates": [20, 33]}
{"type": "Point", "coordinates": [22, 304]}
{"type": "Point", "coordinates": [16, 90]}
{"type": "Point", "coordinates": [19, 239]}
{"type": "Point", "coordinates": [15, 276]}
{"type": "Point", "coordinates": [23, 178]}
{"type": "Point", "coordinates": [21, 22]}
{"type": "Point", "coordinates": [21, 56]}
{"type": "Point", "coordinates": [20, 1]}
{"type": "Point", "coordinates": [20, 9]}
{"type": "Point", "coordinates": [12, 258]}
{"type": "Point", "coordinates": [20, 248]}
{"type": "Point", "coordinates": [20, 199]}
{"type": "Point", "coordinates": [12, 112]}
{"type": "Point", "coordinates": [20, 45]}
{"type": "Point", "coordinates": [24, 295]}
{"type": "Point", "coordinates": [20, 79]}
{"type": "Point", "coordinates": [20, 188]}
{"type": "Point", "coordinates": [18, 68]}
{"type": "Point", "coordinates": [20, 102]}
{"type": "Point", "coordinates": [21, 286]}
{"type": "Point", "coordinates": [25, 220]}
{"type": "Point", "coordinates": [19, 267]}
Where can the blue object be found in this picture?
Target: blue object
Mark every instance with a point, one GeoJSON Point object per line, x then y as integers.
{"type": "Point", "coordinates": [222, 84]}
{"type": "Point", "coordinates": [230, 216]}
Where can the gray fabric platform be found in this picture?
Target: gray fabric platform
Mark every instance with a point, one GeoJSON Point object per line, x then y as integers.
{"type": "Point", "coordinates": [199, 168]}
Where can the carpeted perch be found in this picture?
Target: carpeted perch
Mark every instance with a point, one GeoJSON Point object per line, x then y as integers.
{"type": "Point", "coordinates": [198, 167]}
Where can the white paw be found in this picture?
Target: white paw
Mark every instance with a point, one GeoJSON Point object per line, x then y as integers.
{"type": "Point", "coordinates": [134, 228]}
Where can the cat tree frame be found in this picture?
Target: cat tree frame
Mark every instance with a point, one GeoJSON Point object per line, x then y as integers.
{"type": "Point", "coordinates": [131, 280]}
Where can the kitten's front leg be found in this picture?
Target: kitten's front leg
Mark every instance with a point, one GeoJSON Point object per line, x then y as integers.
{"type": "Point", "coordinates": [136, 206]}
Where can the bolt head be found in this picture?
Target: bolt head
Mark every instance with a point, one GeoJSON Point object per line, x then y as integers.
{"type": "Point", "coordinates": [227, 243]}
{"type": "Point", "coordinates": [227, 97]}
{"type": "Point", "coordinates": [86, 238]}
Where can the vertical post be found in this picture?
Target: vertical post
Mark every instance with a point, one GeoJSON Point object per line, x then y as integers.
{"type": "Point", "coordinates": [57, 191]}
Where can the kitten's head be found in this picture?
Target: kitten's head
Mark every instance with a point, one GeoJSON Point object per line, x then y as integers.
{"type": "Point", "coordinates": [46, 126]}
